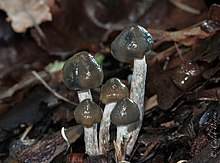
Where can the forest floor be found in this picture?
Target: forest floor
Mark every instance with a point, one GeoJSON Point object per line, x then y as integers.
{"type": "Point", "coordinates": [182, 97]}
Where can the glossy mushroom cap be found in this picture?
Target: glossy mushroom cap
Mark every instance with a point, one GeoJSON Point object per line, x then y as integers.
{"type": "Point", "coordinates": [113, 90]}
{"type": "Point", "coordinates": [132, 43]}
{"type": "Point", "coordinates": [186, 75]}
{"type": "Point", "coordinates": [81, 71]}
{"type": "Point", "coordinates": [88, 113]}
{"type": "Point", "coordinates": [125, 112]}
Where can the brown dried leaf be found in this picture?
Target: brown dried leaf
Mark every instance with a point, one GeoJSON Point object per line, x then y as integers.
{"type": "Point", "coordinates": [186, 37]}
{"type": "Point", "coordinates": [167, 92]}
{"type": "Point", "coordinates": [209, 49]}
{"type": "Point", "coordinates": [212, 71]}
{"type": "Point", "coordinates": [214, 12]}
{"type": "Point", "coordinates": [150, 103]}
{"type": "Point", "coordinates": [25, 13]}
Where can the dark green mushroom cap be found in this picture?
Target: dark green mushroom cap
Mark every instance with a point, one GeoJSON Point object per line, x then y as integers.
{"type": "Point", "coordinates": [88, 113]}
{"type": "Point", "coordinates": [125, 112]}
{"type": "Point", "coordinates": [113, 90]}
{"type": "Point", "coordinates": [81, 71]}
{"type": "Point", "coordinates": [132, 43]}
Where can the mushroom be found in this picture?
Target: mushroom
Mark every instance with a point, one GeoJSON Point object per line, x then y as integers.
{"type": "Point", "coordinates": [81, 72]}
{"type": "Point", "coordinates": [132, 44]}
{"type": "Point", "coordinates": [111, 92]}
{"type": "Point", "coordinates": [88, 113]}
{"type": "Point", "coordinates": [124, 114]}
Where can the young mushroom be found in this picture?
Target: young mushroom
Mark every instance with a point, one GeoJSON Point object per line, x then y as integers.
{"type": "Point", "coordinates": [81, 72]}
{"type": "Point", "coordinates": [132, 44]}
{"type": "Point", "coordinates": [124, 114]}
{"type": "Point", "coordinates": [88, 113]}
{"type": "Point", "coordinates": [111, 92]}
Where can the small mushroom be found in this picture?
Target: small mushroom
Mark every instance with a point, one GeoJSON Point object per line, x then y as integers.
{"type": "Point", "coordinates": [81, 72]}
{"type": "Point", "coordinates": [88, 113]}
{"type": "Point", "coordinates": [111, 92]}
{"type": "Point", "coordinates": [187, 74]}
{"type": "Point", "coordinates": [132, 44]}
{"type": "Point", "coordinates": [125, 113]}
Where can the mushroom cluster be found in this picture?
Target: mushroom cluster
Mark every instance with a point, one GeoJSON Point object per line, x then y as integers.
{"type": "Point", "coordinates": [131, 45]}
{"type": "Point", "coordinates": [111, 92]}
{"type": "Point", "coordinates": [125, 113]}
{"type": "Point", "coordinates": [81, 73]}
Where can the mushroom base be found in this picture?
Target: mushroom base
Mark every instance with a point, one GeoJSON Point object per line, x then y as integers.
{"type": "Point", "coordinates": [90, 133]}
{"type": "Point", "coordinates": [91, 141]}
{"type": "Point", "coordinates": [121, 140]}
{"type": "Point", "coordinates": [104, 135]}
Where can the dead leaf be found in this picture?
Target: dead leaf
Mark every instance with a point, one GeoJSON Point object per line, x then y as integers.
{"type": "Point", "coordinates": [209, 49]}
{"type": "Point", "coordinates": [150, 103]}
{"type": "Point", "coordinates": [167, 92]}
{"type": "Point", "coordinates": [25, 13]}
{"type": "Point", "coordinates": [211, 72]}
{"type": "Point", "coordinates": [186, 36]}
{"type": "Point", "coordinates": [214, 12]}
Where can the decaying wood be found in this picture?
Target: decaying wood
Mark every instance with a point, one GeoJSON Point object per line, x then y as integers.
{"type": "Point", "coordinates": [46, 149]}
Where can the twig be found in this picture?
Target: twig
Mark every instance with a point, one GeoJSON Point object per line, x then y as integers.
{"type": "Point", "coordinates": [178, 51]}
{"type": "Point", "coordinates": [185, 7]}
{"type": "Point", "coordinates": [182, 161]}
{"type": "Point", "coordinates": [148, 150]}
{"type": "Point", "coordinates": [151, 102]}
{"type": "Point", "coordinates": [37, 27]}
{"type": "Point", "coordinates": [41, 33]}
{"type": "Point", "coordinates": [51, 90]}
{"type": "Point", "coordinates": [117, 153]}
{"type": "Point", "coordinates": [27, 130]}
{"type": "Point", "coordinates": [162, 55]}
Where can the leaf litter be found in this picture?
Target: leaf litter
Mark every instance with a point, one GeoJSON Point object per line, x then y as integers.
{"type": "Point", "coordinates": [182, 86]}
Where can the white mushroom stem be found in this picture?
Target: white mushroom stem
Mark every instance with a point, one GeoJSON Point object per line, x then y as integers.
{"type": "Point", "coordinates": [104, 135]}
{"type": "Point", "coordinates": [137, 95]}
{"type": "Point", "coordinates": [85, 94]}
{"type": "Point", "coordinates": [90, 133]}
{"type": "Point", "coordinates": [121, 140]}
